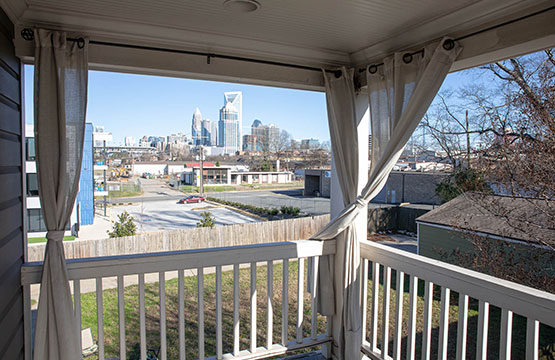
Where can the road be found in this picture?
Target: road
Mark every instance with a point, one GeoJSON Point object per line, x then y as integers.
{"type": "Point", "coordinates": [156, 190]}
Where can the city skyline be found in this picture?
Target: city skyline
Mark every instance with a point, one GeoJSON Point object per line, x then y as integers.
{"type": "Point", "coordinates": [138, 105]}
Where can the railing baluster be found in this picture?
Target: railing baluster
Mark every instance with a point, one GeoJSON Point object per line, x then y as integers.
{"type": "Point", "coordinates": [77, 308]}
{"type": "Point", "coordinates": [236, 348]}
{"type": "Point", "coordinates": [532, 338]}
{"type": "Point", "coordinates": [142, 315]}
{"type": "Point", "coordinates": [300, 301]}
{"type": "Point", "coordinates": [285, 303]}
{"type": "Point", "coordinates": [270, 301]}
{"type": "Point", "coordinates": [483, 319]}
{"type": "Point", "coordinates": [253, 307]}
{"type": "Point", "coordinates": [219, 342]}
{"type": "Point", "coordinates": [413, 305]}
{"type": "Point", "coordinates": [100, 318]}
{"type": "Point", "coordinates": [364, 279]}
{"type": "Point", "coordinates": [399, 315]}
{"type": "Point", "coordinates": [314, 312]}
{"type": "Point", "coordinates": [444, 323]}
{"type": "Point", "coordinates": [121, 318]}
{"type": "Point", "coordinates": [200, 283]}
{"type": "Point", "coordinates": [180, 313]}
{"type": "Point", "coordinates": [427, 331]}
{"type": "Point", "coordinates": [462, 327]}
{"type": "Point", "coordinates": [375, 299]}
{"type": "Point", "coordinates": [385, 311]}
{"type": "Point", "coordinates": [506, 334]}
{"type": "Point", "coordinates": [162, 294]}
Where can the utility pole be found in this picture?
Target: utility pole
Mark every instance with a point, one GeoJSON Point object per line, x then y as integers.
{"type": "Point", "coordinates": [467, 139]}
{"type": "Point", "coordinates": [201, 157]}
{"type": "Point", "coordinates": [105, 184]}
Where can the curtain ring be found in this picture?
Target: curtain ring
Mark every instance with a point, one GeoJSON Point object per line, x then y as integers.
{"type": "Point", "coordinates": [448, 44]}
{"type": "Point", "coordinates": [338, 73]}
{"type": "Point", "coordinates": [80, 43]}
{"type": "Point", "coordinates": [372, 69]}
{"type": "Point", "coordinates": [407, 58]}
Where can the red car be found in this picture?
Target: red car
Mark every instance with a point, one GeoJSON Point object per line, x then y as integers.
{"type": "Point", "coordinates": [191, 199]}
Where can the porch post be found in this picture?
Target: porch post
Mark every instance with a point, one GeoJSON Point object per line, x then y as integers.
{"type": "Point", "coordinates": [337, 205]}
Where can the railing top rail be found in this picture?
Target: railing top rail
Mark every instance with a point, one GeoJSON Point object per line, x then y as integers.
{"type": "Point", "coordinates": [181, 260]}
{"type": "Point", "coordinates": [522, 300]}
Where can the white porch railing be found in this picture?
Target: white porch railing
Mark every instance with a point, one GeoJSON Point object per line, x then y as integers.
{"type": "Point", "coordinates": [199, 260]}
{"type": "Point", "coordinates": [536, 306]}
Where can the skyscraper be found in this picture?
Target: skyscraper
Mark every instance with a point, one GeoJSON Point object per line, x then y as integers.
{"type": "Point", "coordinates": [206, 133]}
{"type": "Point", "coordinates": [229, 126]}
{"type": "Point", "coordinates": [196, 127]}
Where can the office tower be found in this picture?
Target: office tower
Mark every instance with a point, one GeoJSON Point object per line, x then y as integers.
{"type": "Point", "coordinates": [229, 126]}
{"type": "Point", "coordinates": [206, 133]}
{"type": "Point", "coordinates": [196, 131]}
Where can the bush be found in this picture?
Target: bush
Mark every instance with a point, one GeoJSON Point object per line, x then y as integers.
{"type": "Point", "coordinates": [125, 226]}
{"type": "Point", "coordinates": [461, 181]}
{"type": "Point", "coordinates": [274, 212]}
{"type": "Point", "coordinates": [206, 220]}
{"type": "Point", "coordinates": [290, 210]}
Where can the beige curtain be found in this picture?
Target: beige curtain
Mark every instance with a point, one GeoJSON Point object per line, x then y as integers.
{"type": "Point", "coordinates": [399, 94]}
{"type": "Point", "coordinates": [60, 103]}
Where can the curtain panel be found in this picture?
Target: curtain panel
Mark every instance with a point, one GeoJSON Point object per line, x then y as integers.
{"type": "Point", "coordinates": [60, 102]}
{"type": "Point", "coordinates": [399, 94]}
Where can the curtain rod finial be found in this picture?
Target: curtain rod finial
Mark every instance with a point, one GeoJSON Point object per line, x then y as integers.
{"type": "Point", "coordinates": [28, 34]}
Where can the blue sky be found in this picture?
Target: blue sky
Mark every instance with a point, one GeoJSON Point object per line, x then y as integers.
{"type": "Point", "coordinates": [138, 105]}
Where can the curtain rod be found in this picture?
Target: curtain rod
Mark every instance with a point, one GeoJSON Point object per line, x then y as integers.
{"type": "Point", "coordinates": [29, 35]}
{"type": "Point", "coordinates": [450, 43]}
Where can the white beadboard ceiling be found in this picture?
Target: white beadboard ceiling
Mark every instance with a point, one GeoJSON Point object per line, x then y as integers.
{"type": "Point", "coordinates": [309, 31]}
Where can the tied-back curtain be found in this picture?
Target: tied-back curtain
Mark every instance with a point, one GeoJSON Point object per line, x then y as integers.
{"type": "Point", "coordinates": [399, 94]}
{"type": "Point", "coordinates": [60, 103]}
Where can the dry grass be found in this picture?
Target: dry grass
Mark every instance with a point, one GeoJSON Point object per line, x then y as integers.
{"type": "Point", "coordinates": [547, 335]}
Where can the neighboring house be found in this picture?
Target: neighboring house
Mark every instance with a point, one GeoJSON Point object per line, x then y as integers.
{"type": "Point", "coordinates": [83, 211]}
{"type": "Point", "coordinates": [456, 223]}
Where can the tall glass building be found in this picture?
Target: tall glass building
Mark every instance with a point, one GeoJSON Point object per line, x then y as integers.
{"type": "Point", "coordinates": [229, 126]}
{"type": "Point", "coordinates": [196, 127]}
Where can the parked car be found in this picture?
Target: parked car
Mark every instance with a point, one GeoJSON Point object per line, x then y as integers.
{"type": "Point", "coordinates": [191, 199]}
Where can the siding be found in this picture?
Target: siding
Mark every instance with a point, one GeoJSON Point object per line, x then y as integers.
{"type": "Point", "coordinates": [432, 239]}
{"type": "Point", "coordinates": [11, 197]}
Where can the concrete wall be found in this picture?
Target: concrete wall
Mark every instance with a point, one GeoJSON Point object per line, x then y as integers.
{"type": "Point", "coordinates": [393, 218]}
{"type": "Point", "coordinates": [12, 243]}
{"type": "Point", "coordinates": [411, 187]}
{"type": "Point", "coordinates": [191, 238]}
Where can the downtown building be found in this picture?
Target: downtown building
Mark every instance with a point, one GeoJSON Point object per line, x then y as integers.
{"type": "Point", "coordinates": [196, 127]}
{"type": "Point", "coordinates": [229, 126]}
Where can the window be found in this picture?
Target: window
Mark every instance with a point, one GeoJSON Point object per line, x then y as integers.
{"type": "Point", "coordinates": [32, 185]}
{"type": "Point", "coordinates": [35, 222]}
{"type": "Point", "coordinates": [30, 149]}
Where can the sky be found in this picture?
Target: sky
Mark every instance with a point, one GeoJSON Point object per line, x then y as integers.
{"type": "Point", "coordinates": [138, 105]}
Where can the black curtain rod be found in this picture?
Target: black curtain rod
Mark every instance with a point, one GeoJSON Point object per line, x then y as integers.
{"type": "Point", "coordinates": [450, 43]}
{"type": "Point", "coordinates": [28, 34]}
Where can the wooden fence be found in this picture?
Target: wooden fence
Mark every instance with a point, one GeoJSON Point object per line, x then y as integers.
{"type": "Point", "coordinates": [190, 238]}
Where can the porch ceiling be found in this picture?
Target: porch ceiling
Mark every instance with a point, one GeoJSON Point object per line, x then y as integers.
{"type": "Point", "coordinates": [317, 32]}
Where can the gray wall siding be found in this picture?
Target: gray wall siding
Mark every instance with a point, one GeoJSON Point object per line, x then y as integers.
{"type": "Point", "coordinates": [431, 239]}
{"type": "Point", "coordinates": [411, 187]}
{"type": "Point", "coordinates": [11, 197]}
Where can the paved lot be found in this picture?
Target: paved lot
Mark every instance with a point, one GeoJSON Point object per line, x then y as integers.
{"type": "Point", "coordinates": [168, 215]}
{"type": "Point", "coordinates": [277, 199]}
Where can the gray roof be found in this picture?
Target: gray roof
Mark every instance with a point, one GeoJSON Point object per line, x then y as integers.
{"type": "Point", "coordinates": [524, 219]}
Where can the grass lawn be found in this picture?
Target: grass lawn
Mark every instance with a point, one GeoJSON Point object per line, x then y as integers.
{"type": "Point", "coordinates": [43, 239]}
{"type": "Point", "coordinates": [547, 335]}
{"type": "Point", "coordinates": [222, 188]}
{"type": "Point", "coordinates": [124, 193]}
